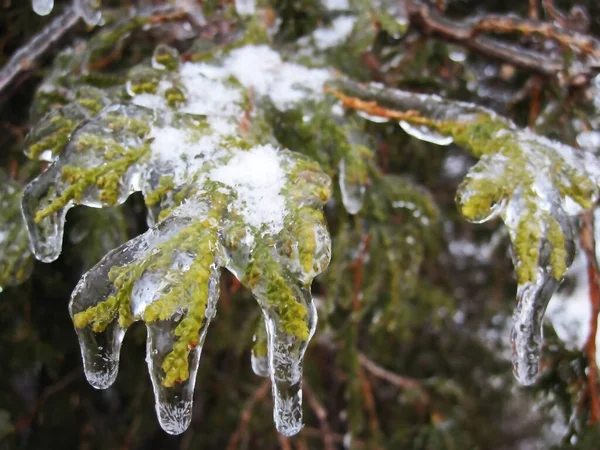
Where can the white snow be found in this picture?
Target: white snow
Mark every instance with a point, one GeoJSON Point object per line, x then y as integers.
{"type": "Point", "coordinates": [258, 178]}
{"type": "Point", "coordinates": [337, 33]}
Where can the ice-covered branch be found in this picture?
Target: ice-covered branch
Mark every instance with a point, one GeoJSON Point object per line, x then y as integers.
{"type": "Point", "coordinates": [534, 184]}
{"type": "Point", "coordinates": [221, 193]}
{"type": "Point", "coordinates": [470, 33]}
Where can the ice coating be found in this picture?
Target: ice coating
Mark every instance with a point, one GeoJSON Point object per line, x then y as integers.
{"type": "Point", "coordinates": [535, 185]}
{"type": "Point", "coordinates": [219, 195]}
{"type": "Point", "coordinates": [423, 133]}
{"type": "Point", "coordinates": [88, 10]}
{"type": "Point", "coordinates": [42, 7]}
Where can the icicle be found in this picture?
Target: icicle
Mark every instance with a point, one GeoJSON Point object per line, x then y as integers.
{"type": "Point", "coordinates": [527, 331]}
{"type": "Point", "coordinates": [88, 10]}
{"type": "Point", "coordinates": [285, 365]}
{"type": "Point", "coordinates": [245, 7]}
{"type": "Point", "coordinates": [353, 193]}
{"type": "Point", "coordinates": [42, 7]}
{"type": "Point", "coordinates": [425, 134]}
{"type": "Point", "coordinates": [174, 400]}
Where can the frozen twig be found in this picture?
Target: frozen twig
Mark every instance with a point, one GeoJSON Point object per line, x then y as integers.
{"type": "Point", "coordinates": [399, 381]}
{"type": "Point", "coordinates": [25, 59]}
{"type": "Point", "coordinates": [469, 34]}
{"type": "Point", "coordinates": [246, 414]}
{"type": "Point", "coordinates": [321, 414]}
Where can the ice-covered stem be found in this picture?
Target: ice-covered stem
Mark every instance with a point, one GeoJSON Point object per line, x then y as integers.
{"type": "Point", "coordinates": [534, 184]}
{"type": "Point", "coordinates": [24, 59]}
{"type": "Point", "coordinates": [471, 34]}
{"type": "Point", "coordinates": [116, 146]}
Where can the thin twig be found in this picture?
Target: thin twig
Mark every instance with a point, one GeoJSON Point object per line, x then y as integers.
{"type": "Point", "coordinates": [397, 380]}
{"type": "Point", "coordinates": [284, 442]}
{"type": "Point", "coordinates": [468, 34]}
{"type": "Point", "coordinates": [246, 414]}
{"type": "Point", "coordinates": [25, 59]}
{"type": "Point", "coordinates": [321, 414]}
{"type": "Point", "coordinates": [337, 438]}
{"type": "Point", "coordinates": [588, 244]}
{"type": "Point", "coordinates": [369, 401]}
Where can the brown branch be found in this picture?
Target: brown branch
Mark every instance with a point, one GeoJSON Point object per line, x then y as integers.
{"type": "Point", "coordinates": [372, 108]}
{"type": "Point", "coordinates": [284, 442]}
{"type": "Point", "coordinates": [337, 438]}
{"type": "Point", "coordinates": [321, 414]}
{"type": "Point", "coordinates": [533, 10]}
{"type": "Point", "coordinates": [468, 34]}
{"type": "Point", "coordinates": [48, 392]}
{"type": "Point", "coordinates": [245, 416]}
{"type": "Point", "coordinates": [397, 380]}
{"type": "Point", "coordinates": [369, 401]}
{"type": "Point", "coordinates": [589, 245]}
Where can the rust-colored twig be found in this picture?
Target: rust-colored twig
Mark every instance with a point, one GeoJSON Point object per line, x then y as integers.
{"type": "Point", "coordinates": [284, 442]}
{"type": "Point", "coordinates": [61, 384]}
{"type": "Point", "coordinates": [589, 245]}
{"type": "Point", "coordinates": [397, 380]}
{"type": "Point", "coordinates": [372, 108]}
{"type": "Point", "coordinates": [246, 414]}
{"type": "Point", "coordinates": [321, 414]}
{"type": "Point", "coordinates": [533, 10]}
{"type": "Point", "coordinates": [369, 401]}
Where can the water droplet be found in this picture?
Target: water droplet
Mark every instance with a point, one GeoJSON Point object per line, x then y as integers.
{"type": "Point", "coordinates": [42, 7]}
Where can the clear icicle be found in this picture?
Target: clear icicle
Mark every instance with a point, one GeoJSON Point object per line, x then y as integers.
{"type": "Point", "coordinates": [285, 366]}
{"type": "Point", "coordinates": [425, 134]}
{"type": "Point", "coordinates": [527, 331]}
{"type": "Point", "coordinates": [353, 194]}
{"type": "Point", "coordinates": [88, 10]}
{"type": "Point", "coordinates": [245, 7]}
{"type": "Point", "coordinates": [42, 7]}
{"type": "Point", "coordinates": [174, 403]}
